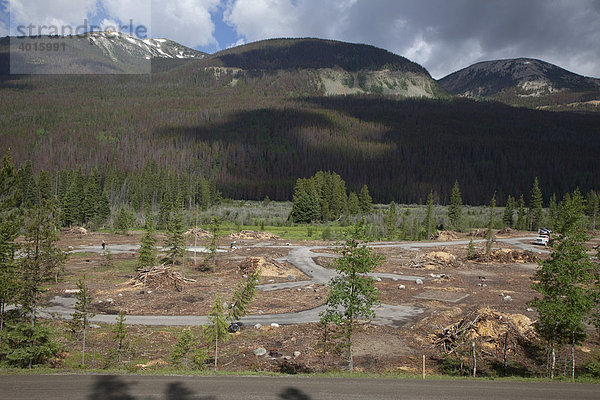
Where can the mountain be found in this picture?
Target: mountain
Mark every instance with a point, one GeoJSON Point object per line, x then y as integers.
{"type": "Point", "coordinates": [342, 68]}
{"type": "Point", "coordinates": [255, 118]}
{"type": "Point", "coordinates": [522, 81]}
{"type": "Point", "coordinates": [92, 53]}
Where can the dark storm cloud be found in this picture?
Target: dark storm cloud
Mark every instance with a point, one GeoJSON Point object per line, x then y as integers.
{"type": "Point", "coordinates": [443, 35]}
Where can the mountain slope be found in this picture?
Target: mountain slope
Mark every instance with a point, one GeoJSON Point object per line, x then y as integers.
{"type": "Point", "coordinates": [343, 68]}
{"type": "Point", "coordinates": [521, 81]}
{"type": "Point", "coordinates": [96, 52]}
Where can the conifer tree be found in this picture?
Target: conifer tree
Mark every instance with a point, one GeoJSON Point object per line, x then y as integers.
{"type": "Point", "coordinates": [535, 206]}
{"type": "Point", "coordinates": [120, 333]}
{"type": "Point", "coordinates": [592, 206]}
{"type": "Point", "coordinates": [81, 317]}
{"type": "Point", "coordinates": [41, 261]}
{"type": "Point", "coordinates": [175, 239]}
{"type": "Point", "coordinates": [147, 255]}
{"type": "Point", "coordinates": [521, 224]}
{"type": "Point", "coordinates": [429, 217]}
{"type": "Point", "coordinates": [390, 220]}
{"type": "Point", "coordinates": [509, 210]}
{"type": "Point", "coordinates": [216, 331]}
{"type": "Point", "coordinates": [91, 197]}
{"type": "Point", "coordinates": [353, 204]}
{"type": "Point", "coordinates": [489, 236]}
{"type": "Point", "coordinates": [102, 209]}
{"type": "Point", "coordinates": [455, 207]}
{"type": "Point", "coordinates": [365, 201]}
{"type": "Point", "coordinates": [10, 221]}
{"type": "Point", "coordinates": [552, 219]}
{"type": "Point", "coordinates": [27, 186]}
{"type": "Point", "coordinates": [565, 282]}
{"type": "Point", "coordinates": [124, 221]}
{"type": "Point", "coordinates": [353, 294]}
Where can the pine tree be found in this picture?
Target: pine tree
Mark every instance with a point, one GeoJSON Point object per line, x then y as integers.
{"type": "Point", "coordinates": [211, 258]}
{"type": "Point", "coordinates": [552, 212]}
{"type": "Point", "coordinates": [41, 261]}
{"type": "Point", "coordinates": [455, 207]}
{"type": "Point", "coordinates": [186, 351]}
{"type": "Point", "coordinates": [353, 294]}
{"type": "Point", "coordinates": [164, 212]}
{"type": "Point", "coordinates": [489, 236]}
{"type": "Point", "coordinates": [244, 294]}
{"type": "Point", "coordinates": [592, 206]}
{"type": "Point", "coordinates": [147, 255]}
{"type": "Point", "coordinates": [175, 237]}
{"type": "Point", "coordinates": [353, 204]}
{"type": "Point", "coordinates": [124, 221]}
{"type": "Point", "coordinates": [521, 215]}
{"type": "Point", "coordinates": [102, 210]}
{"type": "Point", "coordinates": [429, 217]}
{"type": "Point", "coordinates": [565, 282]}
{"type": "Point", "coordinates": [27, 186]}
{"type": "Point", "coordinates": [91, 198]}
{"type": "Point", "coordinates": [119, 331]}
{"type": "Point", "coordinates": [535, 206]}
{"type": "Point", "coordinates": [216, 331]}
{"type": "Point", "coordinates": [509, 210]}
{"type": "Point", "coordinates": [365, 201]}
{"type": "Point", "coordinates": [10, 222]}
{"type": "Point", "coordinates": [81, 317]}
{"type": "Point", "coordinates": [390, 220]}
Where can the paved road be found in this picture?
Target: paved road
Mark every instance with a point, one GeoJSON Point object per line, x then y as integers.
{"type": "Point", "coordinates": [132, 387]}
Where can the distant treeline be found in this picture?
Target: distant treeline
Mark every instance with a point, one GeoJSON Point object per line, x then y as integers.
{"type": "Point", "coordinates": [253, 134]}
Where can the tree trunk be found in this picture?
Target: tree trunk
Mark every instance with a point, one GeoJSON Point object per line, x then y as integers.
{"type": "Point", "coordinates": [553, 362]}
{"type": "Point", "coordinates": [349, 344]}
{"type": "Point", "coordinates": [573, 358]}
{"type": "Point", "coordinates": [505, 350]}
{"type": "Point", "coordinates": [216, 352]}
{"type": "Point", "coordinates": [83, 345]}
{"type": "Point", "coordinates": [474, 362]}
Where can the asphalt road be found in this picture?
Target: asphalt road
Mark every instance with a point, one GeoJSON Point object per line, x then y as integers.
{"type": "Point", "coordinates": [132, 387]}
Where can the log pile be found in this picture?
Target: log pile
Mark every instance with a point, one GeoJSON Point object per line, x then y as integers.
{"type": "Point", "coordinates": [507, 256]}
{"type": "Point", "coordinates": [159, 277]}
{"type": "Point", "coordinates": [484, 326]}
{"type": "Point", "coordinates": [434, 259]}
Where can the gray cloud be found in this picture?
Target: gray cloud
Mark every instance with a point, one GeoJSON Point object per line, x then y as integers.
{"type": "Point", "coordinates": [442, 35]}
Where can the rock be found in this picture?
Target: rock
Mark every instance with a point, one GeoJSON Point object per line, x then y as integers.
{"type": "Point", "coordinates": [261, 351]}
{"type": "Point", "coordinates": [291, 278]}
{"type": "Point", "coordinates": [316, 290]}
{"type": "Point", "coordinates": [401, 287]}
{"type": "Point", "coordinates": [501, 294]}
{"type": "Point", "coordinates": [72, 291]}
{"type": "Point", "coordinates": [257, 326]}
{"type": "Point", "coordinates": [275, 325]}
{"type": "Point", "coordinates": [110, 300]}
{"type": "Point", "coordinates": [275, 354]}
{"type": "Point", "coordinates": [233, 328]}
{"type": "Point", "coordinates": [419, 282]}
{"type": "Point", "coordinates": [529, 309]}
{"type": "Point", "coordinates": [394, 279]}
{"type": "Point", "coordinates": [377, 279]}
{"type": "Point", "coordinates": [120, 295]}
{"type": "Point", "coordinates": [507, 299]}
{"type": "Point", "coordinates": [297, 354]}
{"type": "Point", "coordinates": [299, 289]}
{"type": "Point", "coordinates": [149, 291]}
{"type": "Point", "coordinates": [271, 280]}
{"type": "Point", "coordinates": [287, 358]}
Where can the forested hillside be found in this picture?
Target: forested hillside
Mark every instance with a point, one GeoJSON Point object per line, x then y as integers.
{"type": "Point", "coordinates": [254, 132]}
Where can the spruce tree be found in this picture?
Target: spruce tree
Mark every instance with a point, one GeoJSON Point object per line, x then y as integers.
{"type": "Point", "coordinates": [565, 282]}
{"type": "Point", "coordinates": [119, 331]}
{"type": "Point", "coordinates": [592, 206]}
{"type": "Point", "coordinates": [353, 294]}
{"type": "Point", "coordinates": [509, 210]}
{"type": "Point", "coordinates": [175, 237]}
{"type": "Point", "coordinates": [10, 221]}
{"type": "Point", "coordinates": [81, 317]}
{"type": "Point", "coordinates": [42, 260]}
{"type": "Point", "coordinates": [353, 204]}
{"type": "Point", "coordinates": [102, 210]}
{"type": "Point", "coordinates": [552, 219]}
{"type": "Point", "coordinates": [489, 236]}
{"type": "Point", "coordinates": [147, 255]}
{"type": "Point", "coordinates": [455, 207]}
{"type": "Point", "coordinates": [429, 217]}
{"type": "Point", "coordinates": [390, 220]}
{"type": "Point", "coordinates": [216, 330]}
{"type": "Point", "coordinates": [365, 201]}
{"type": "Point", "coordinates": [535, 206]}
{"type": "Point", "coordinates": [26, 184]}
{"type": "Point", "coordinates": [521, 224]}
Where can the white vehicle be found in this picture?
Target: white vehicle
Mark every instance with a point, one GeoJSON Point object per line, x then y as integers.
{"type": "Point", "coordinates": [541, 240]}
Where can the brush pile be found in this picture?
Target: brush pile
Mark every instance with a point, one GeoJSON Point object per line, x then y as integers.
{"type": "Point", "coordinates": [159, 277]}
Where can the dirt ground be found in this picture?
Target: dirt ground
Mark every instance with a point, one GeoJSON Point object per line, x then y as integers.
{"type": "Point", "coordinates": [453, 288]}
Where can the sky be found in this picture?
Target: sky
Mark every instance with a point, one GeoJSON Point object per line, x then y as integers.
{"type": "Point", "coordinates": [442, 35]}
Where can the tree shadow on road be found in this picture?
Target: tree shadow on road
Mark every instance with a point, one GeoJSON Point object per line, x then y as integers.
{"type": "Point", "coordinates": [294, 394]}
{"type": "Point", "coordinates": [110, 387]}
